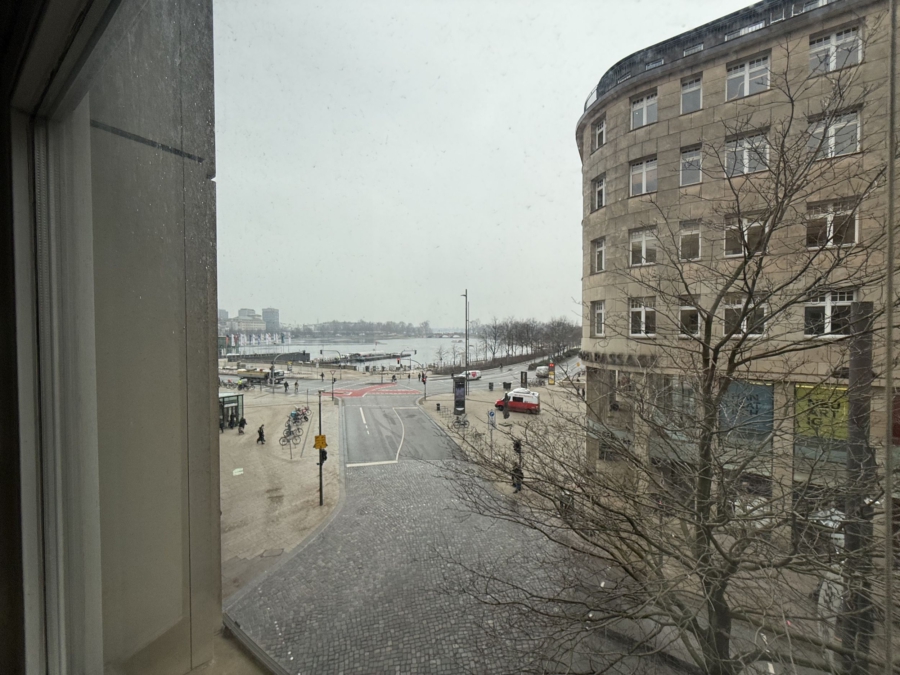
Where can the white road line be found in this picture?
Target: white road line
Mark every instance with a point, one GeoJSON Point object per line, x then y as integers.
{"type": "Point", "coordinates": [388, 461]}
{"type": "Point", "coordinates": [363, 416]}
{"type": "Point", "coordinates": [402, 434]}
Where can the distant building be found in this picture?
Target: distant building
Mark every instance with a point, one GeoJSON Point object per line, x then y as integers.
{"type": "Point", "coordinates": [270, 316]}
{"type": "Point", "coordinates": [246, 312]}
{"type": "Point", "coordinates": [223, 315]}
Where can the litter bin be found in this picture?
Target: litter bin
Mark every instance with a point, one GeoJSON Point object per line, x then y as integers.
{"type": "Point", "coordinates": [507, 385]}
{"type": "Point", "coordinates": [438, 407]}
{"type": "Point", "coordinates": [490, 386]}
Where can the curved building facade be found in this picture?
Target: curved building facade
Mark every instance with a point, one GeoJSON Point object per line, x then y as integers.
{"type": "Point", "coordinates": [734, 210]}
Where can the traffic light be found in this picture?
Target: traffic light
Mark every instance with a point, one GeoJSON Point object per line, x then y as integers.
{"type": "Point", "coordinates": [323, 455]}
{"type": "Point", "coordinates": [398, 362]}
{"type": "Point", "coordinates": [517, 446]}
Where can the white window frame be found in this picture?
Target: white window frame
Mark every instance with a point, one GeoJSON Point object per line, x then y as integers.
{"type": "Point", "coordinates": [737, 304]}
{"type": "Point", "coordinates": [644, 105]}
{"type": "Point", "coordinates": [824, 49]}
{"type": "Point", "coordinates": [830, 301]}
{"type": "Point", "coordinates": [693, 49]}
{"type": "Point", "coordinates": [686, 162]}
{"type": "Point", "coordinates": [598, 133]}
{"type": "Point", "coordinates": [689, 227]}
{"type": "Point", "coordinates": [598, 193]}
{"type": "Point", "coordinates": [838, 123]}
{"type": "Point", "coordinates": [748, 71]}
{"type": "Point", "coordinates": [642, 307]}
{"type": "Point", "coordinates": [648, 241]}
{"type": "Point", "coordinates": [598, 318]}
{"type": "Point", "coordinates": [598, 255]}
{"type": "Point", "coordinates": [830, 213]}
{"type": "Point", "coordinates": [744, 225]}
{"type": "Point", "coordinates": [644, 169]}
{"type": "Point", "coordinates": [684, 305]}
{"type": "Point", "coordinates": [688, 86]}
{"type": "Point", "coordinates": [745, 149]}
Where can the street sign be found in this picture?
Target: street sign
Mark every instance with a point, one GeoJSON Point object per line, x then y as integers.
{"type": "Point", "coordinates": [492, 419]}
{"type": "Point", "coordinates": [320, 443]}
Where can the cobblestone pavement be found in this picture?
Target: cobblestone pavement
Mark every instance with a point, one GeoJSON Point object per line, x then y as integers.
{"type": "Point", "coordinates": [364, 596]}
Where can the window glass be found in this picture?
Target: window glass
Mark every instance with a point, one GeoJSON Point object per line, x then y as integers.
{"type": "Point", "coordinates": [820, 422]}
{"type": "Point", "coordinates": [690, 166]}
{"type": "Point", "coordinates": [747, 78]}
{"type": "Point", "coordinates": [691, 95]}
{"type": "Point", "coordinates": [643, 247]}
{"type": "Point", "coordinates": [600, 254]}
{"type": "Point", "coordinates": [689, 240]}
{"type": "Point", "coordinates": [643, 111]}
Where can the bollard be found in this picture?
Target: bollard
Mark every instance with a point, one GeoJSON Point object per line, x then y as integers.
{"type": "Point", "coordinates": [438, 407]}
{"type": "Point", "coordinates": [490, 386]}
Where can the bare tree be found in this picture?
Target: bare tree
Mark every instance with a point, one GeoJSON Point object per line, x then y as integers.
{"type": "Point", "coordinates": [725, 509]}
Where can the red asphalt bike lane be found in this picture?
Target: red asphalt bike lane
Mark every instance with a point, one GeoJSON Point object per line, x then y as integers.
{"type": "Point", "coordinates": [373, 389]}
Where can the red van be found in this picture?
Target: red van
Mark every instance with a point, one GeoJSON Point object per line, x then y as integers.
{"type": "Point", "coordinates": [522, 400]}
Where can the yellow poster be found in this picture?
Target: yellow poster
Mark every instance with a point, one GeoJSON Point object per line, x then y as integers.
{"type": "Point", "coordinates": [822, 411]}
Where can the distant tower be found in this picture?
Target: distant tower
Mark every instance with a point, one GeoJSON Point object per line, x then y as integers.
{"type": "Point", "coordinates": [270, 316]}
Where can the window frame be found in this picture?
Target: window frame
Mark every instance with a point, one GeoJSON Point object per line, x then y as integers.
{"type": "Point", "coordinates": [644, 103]}
{"type": "Point", "coordinates": [829, 303]}
{"type": "Point", "coordinates": [645, 235]}
{"type": "Point", "coordinates": [598, 246]}
{"type": "Point", "coordinates": [828, 147]}
{"type": "Point", "coordinates": [688, 227]}
{"type": "Point", "coordinates": [644, 171]}
{"type": "Point", "coordinates": [830, 212]}
{"type": "Point", "coordinates": [598, 308]}
{"type": "Point", "coordinates": [745, 146]}
{"type": "Point", "coordinates": [598, 127]}
{"type": "Point", "coordinates": [685, 304]}
{"type": "Point", "coordinates": [647, 306]}
{"type": "Point", "coordinates": [744, 223]}
{"type": "Point", "coordinates": [832, 46]}
{"type": "Point", "coordinates": [737, 304]}
{"type": "Point", "coordinates": [746, 70]}
{"type": "Point", "coordinates": [598, 187]}
{"type": "Point", "coordinates": [699, 168]}
{"type": "Point", "coordinates": [688, 81]}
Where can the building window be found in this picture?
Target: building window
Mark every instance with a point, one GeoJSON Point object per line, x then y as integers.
{"type": "Point", "coordinates": [689, 240]}
{"type": "Point", "coordinates": [693, 49]}
{"type": "Point", "coordinates": [749, 77]}
{"type": "Point", "coordinates": [743, 316]}
{"type": "Point", "coordinates": [690, 166]}
{"type": "Point", "coordinates": [643, 111]}
{"type": "Point", "coordinates": [747, 154]}
{"type": "Point", "coordinates": [599, 133]}
{"type": "Point", "coordinates": [689, 317]}
{"type": "Point", "coordinates": [691, 95]}
{"type": "Point", "coordinates": [598, 310]}
{"type": "Point", "coordinates": [643, 317]}
{"type": "Point", "coordinates": [838, 136]}
{"type": "Point", "coordinates": [835, 51]}
{"type": "Point", "coordinates": [598, 191]}
{"type": "Point", "coordinates": [801, 7]}
{"type": "Point", "coordinates": [753, 27]}
{"type": "Point", "coordinates": [599, 254]}
{"type": "Point", "coordinates": [643, 177]}
{"type": "Point", "coordinates": [654, 64]}
{"type": "Point", "coordinates": [744, 237]}
{"type": "Point", "coordinates": [831, 225]}
{"type": "Point", "coordinates": [828, 313]}
{"type": "Point", "coordinates": [643, 247]}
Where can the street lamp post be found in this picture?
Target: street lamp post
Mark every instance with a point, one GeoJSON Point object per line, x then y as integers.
{"type": "Point", "coordinates": [340, 360]}
{"type": "Point", "coordinates": [466, 372]}
{"type": "Point", "coordinates": [321, 497]}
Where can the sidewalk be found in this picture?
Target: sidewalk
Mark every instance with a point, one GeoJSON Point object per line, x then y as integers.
{"type": "Point", "coordinates": [269, 500]}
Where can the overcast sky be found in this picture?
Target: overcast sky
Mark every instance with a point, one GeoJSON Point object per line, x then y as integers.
{"type": "Point", "coordinates": [376, 158]}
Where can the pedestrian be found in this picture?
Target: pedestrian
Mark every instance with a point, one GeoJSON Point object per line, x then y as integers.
{"type": "Point", "coordinates": [419, 376]}
{"type": "Point", "coordinates": [262, 435]}
{"type": "Point", "coordinates": [296, 387]}
{"type": "Point", "coordinates": [322, 375]}
{"type": "Point", "coordinates": [241, 425]}
{"type": "Point", "coordinates": [232, 421]}
{"type": "Point", "coordinates": [221, 425]}
{"type": "Point", "coordinates": [517, 477]}
{"type": "Point", "coordinates": [409, 376]}
{"type": "Point", "coordinates": [285, 387]}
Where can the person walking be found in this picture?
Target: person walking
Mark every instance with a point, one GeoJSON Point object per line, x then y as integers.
{"type": "Point", "coordinates": [232, 421]}
{"type": "Point", "coordinates": [285, 387]}
{"type": "Point", "coordinates": [409, 376]}
{"type": "Point", "coordinates": [221, 425]}
{"type": "Point", "coordinates": [262, 435]}
{"type": "Point", "coordinates": [517, 477]}
{"type": "Point", "coordinates": [296, 387]}
{"type": "Point", "coordinates": [241, 425]}
{"type": "Point", "coordinates": [419, 376]}
{"type": "Point", "coordinates": [322, 375]}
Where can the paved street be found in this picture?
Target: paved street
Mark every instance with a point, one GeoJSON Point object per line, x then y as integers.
{"type": "Point", "coordinates": [364, 595]}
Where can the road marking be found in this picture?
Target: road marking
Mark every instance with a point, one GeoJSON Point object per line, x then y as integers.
{"type": "Point", "coordinates": [402, 434]}
{"type": "Point", "coordinates": [365, 424]}
{"type": "Point", "coordinates": [387, 461]}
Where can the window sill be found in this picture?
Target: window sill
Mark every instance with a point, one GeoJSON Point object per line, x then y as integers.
{"type": "Point", "coordinates": [828, 247]}
{"type": "Point", "coordinates": [682, 336]}
{"type": "Point", "coordinates": [836, 70]}
{"type": "Point", "coordinates": [741, 256]}
{"type": "Point", "coordinates": [644, 126]}
{"type": "Point", "coordinates": [752, 173]}
{"type": "Point", "coordinates": [596, 272]}
{"type": "Point", "coordinates": [691, 112]}
{"type": "Point", "coordinates": [741, 98]}
{"type": "Point", "coordinates": [599, 208]}
{"type": "Point", "coordinates": [634, 267]}
{"type": "Point", "coordinates": [841, 156]}
{"type": "Point", "coordinates": [642, 336]}
{"type": "Point", "coordinates": [643, 194]}
{"type": "Point", "coordinates": [826, 336]}
{"type": "Point", "coordinates": [689, 260]}
{"type": "Point", "coordinates": [684, 185]}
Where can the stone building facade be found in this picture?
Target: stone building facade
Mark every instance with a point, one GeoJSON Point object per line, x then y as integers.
{"type": "Point", "coordinates": [687, 148]}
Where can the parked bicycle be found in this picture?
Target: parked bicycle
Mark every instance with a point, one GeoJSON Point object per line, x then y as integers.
{"type": "Point", "coordinates": [460, 422]}
{"type": "Point", "coordinates": [291, 436]}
